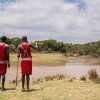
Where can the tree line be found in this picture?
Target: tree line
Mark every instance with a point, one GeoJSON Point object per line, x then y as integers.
{"type": "Point", "coordinates": [52, 46]}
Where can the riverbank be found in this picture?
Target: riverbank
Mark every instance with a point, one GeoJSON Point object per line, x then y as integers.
{"type": "Point", "coordinates": [50, 59]}
{"type": "Point", "coordinates": [74, 67]}
{"type": "Point", "coordinates": [65, 89]}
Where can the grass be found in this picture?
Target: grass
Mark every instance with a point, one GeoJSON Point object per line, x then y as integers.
{"type": "Point", "coordinates": [52, 89]}
{"type": "Point", "coordinates": [55, 90]}
{"type": "Point", "coordinates": [42, 59]}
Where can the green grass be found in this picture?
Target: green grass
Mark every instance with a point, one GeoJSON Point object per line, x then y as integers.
{"type": "Point", "coordinates": [42, 59]}
{"type": "Point", "coordinates": [55, 90]}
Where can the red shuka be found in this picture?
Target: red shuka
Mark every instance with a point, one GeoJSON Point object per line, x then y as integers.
{"type": "Point", "coordinates": [26, 62]}
{"type": "Point", "coordinates": [3, 63]}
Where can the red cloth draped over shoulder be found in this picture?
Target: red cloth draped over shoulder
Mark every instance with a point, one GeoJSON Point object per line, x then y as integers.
{"type": "Point", "coordinates": [3, 62]}
{"type": "Point", "coordinates": [26, 62]}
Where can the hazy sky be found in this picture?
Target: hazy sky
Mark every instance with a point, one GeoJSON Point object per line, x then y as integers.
{"type": "Point", "coordinates": [70, 21]}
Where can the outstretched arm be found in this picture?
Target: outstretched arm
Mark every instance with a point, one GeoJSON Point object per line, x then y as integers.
{"type": "Point", "coordinates": [34, 46]}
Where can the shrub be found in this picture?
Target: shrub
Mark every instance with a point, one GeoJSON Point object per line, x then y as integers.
{"type": "Point", "coordinates": [39, 80]}
{"type": "Point", "coordinates": [83, 78]}
{"type": "Point", "coordinates": [48, 78]}
{"type": "Point", "coordinates": [93, 75]}
{"type": "Point", "coordinates": [71, 80]}
{"type": "Point", "coordinates": [60, 77]}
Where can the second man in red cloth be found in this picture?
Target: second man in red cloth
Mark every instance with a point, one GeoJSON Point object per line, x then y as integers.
{"type": "Point", "coordinates": [26, 62]}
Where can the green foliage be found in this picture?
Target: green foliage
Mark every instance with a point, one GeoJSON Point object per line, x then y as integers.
{"type": "Point", "coordinates": [92, 49]}
{"type": "Point", "coordinates": [16, 41]}
{"type": "Point", "coordinates": [49, 46]}
{"type": "Point", "coordinates": [49, 50]}
{"type": "Point", "coordinates": [0, 39]}
{"type": "Point", "coordinates": [9, 41]}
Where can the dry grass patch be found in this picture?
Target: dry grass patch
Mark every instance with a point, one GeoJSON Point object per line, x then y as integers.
{"type": "Point", "coordinates": [54, 90]}
{"type": "Point", "coordinates": [52, 59]}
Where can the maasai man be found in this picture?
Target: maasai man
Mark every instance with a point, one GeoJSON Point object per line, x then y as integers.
{"type": "Point", "coordinates": [26, 62]}
{"type": "Point", "coordinates": [4, 60]}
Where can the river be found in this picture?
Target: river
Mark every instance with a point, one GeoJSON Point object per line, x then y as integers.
{"type": "Point", "coordinates": [75, 67]}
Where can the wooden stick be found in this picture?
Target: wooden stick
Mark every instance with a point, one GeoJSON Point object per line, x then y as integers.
{"type": "Point", "coordinates": [17, 73]}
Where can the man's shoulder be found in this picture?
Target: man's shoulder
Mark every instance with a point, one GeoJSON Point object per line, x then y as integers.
{"type": "Point", "coordinates": [19, 45]}
{"type": "Point", "coordinates": [7, 46]}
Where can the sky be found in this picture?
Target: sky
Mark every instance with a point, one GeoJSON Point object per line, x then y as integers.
{"type": "Point", "coordinates": [70, 21]}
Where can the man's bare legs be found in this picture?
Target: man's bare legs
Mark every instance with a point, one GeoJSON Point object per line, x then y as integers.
{"type": "Point", "coordinates": [23, 83]}
{"type": "Point", "coordinates": [27, 80]}
{"type": "Point", "coordinates": [3, 82]}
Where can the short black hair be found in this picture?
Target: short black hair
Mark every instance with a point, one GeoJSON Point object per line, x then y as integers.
{"type": "Point", "coordinates": [3, 38]}
{"type": "Point", "coordinates": [24, 38]}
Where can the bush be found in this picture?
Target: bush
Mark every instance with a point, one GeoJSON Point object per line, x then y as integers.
{"type": "Point", "coordinates": [39, 80]}
{"type": "Point", "coordinates": [60, 77]}
{"type": "Point", "coordinates": [93, 75]}
{"type": "Point", "coordinates": [48, 78]}
{"type": "Point", "coordinates": [83, 78]}
{"type": "Point", "coordinates": [71, 80]}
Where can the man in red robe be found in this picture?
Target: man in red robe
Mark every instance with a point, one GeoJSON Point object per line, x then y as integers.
{"type": "Point", "coordinates": [26, 62]}
{"type": "Point", "coordinates": [4, 60]}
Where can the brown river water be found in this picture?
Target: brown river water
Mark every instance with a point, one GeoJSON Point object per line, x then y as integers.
{"type": "Point", "coordinates": [75, 67]}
